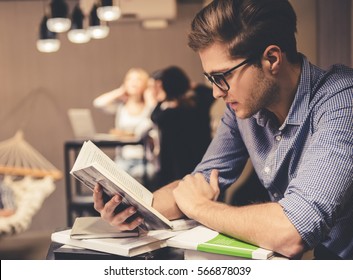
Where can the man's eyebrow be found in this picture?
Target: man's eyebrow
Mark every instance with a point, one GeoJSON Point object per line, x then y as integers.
{"type": "Point", "coordinates": [221, 71]}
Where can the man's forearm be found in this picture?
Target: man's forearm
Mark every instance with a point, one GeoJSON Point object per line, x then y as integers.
{"type": "Point", "coordinates": [164, 202]}
{"type": "Point", "coordinates": [265, 225]}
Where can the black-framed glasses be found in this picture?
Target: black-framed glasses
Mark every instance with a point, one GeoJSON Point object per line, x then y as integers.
{"type": "Point", "coordinates": [219, 79]}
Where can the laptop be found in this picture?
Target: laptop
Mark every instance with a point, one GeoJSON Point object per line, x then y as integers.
{"type": "Point", "coordinates": [83, 126]}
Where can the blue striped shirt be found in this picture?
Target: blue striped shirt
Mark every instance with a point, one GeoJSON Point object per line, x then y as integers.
{"type": "Point", "coordinates": [306, 164]}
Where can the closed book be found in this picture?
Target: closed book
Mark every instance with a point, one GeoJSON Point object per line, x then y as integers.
{"type": "Point", "coordinates": [198, 255]}
{"type": "Point", "coordinates": [126, 246]}
{"type": "Point", "coordinates": [67, 252]}
{"type": "Point", "coordinates": [96, 227]}
{"type": "Point", "coordinates": [207, 240]}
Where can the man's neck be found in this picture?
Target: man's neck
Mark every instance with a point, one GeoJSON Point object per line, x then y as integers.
{"type": "Point", "coordinates": [288, 81]}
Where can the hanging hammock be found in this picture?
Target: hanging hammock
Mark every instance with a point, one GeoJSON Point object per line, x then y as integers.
{"type": "Point", "coordinates": [28, 179]}
{"type": "Point", "coordinates": [19, 158]}
{"type": "Point", "coordinates": [28, 196]}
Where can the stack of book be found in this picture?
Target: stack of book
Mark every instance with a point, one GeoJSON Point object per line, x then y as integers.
{"type": "Point", "coordinates": [121, 246]}
{"type": "Point", "coordinates": [94, 233]}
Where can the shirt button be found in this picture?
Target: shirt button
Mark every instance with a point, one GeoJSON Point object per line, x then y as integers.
{"type": "Point", "coordinates": [267, 170]}
{"type": "Point", "coordinates": [275, 195]}
{"type": "Point", "coordinates": [278, 138]}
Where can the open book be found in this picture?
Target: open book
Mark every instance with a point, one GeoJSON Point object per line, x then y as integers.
{"type": "Point", "coordinates": [93, 166]}
{"type": "Point", "coordinates": [207, 240]}
{"type": "Point", "coordinates": [96, 227]}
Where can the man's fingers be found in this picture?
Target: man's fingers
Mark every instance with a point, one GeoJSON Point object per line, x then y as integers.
{"type": "Point", "coordinates": [119, 220]}
{"type": "Point", "coordinates": [107, 210]}
{"type": "Point", "coordinates": [110, 206]}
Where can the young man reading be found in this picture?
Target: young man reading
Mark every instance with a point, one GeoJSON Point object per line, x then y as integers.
{"type": "Point", "coordinates": [294, 121]}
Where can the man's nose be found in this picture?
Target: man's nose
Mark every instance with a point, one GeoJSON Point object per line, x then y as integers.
{"type": "Point", "coordinates": [217, 92]}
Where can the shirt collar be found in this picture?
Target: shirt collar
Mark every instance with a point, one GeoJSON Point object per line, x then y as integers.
{"type": "Point", "coordinates": [300, 105]}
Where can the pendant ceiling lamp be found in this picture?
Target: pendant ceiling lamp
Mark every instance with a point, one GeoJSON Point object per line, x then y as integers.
{"type": "Point", "coordinates": [96, 28]}
{"type": "Point", "coordinates": [47, 41]}
{"type": "Point", "coordinates": [108, 12]}
{"type": "Point", "coordinates": [59, 21]}
{"type": "Point", "coordinates": [78, 34]}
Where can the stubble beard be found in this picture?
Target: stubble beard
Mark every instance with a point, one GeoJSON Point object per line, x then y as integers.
{"type": "Point", "coordinates": [264, 93]}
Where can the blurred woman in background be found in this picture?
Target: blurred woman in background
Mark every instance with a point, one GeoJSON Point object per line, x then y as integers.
{"type": "Point", "coordinates": [132, 106]}
{"type": "Point", "coordinates": [180, 120]}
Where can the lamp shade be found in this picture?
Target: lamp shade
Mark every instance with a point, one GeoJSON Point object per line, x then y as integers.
{"type": "Point", "coordinates": [108, 12]}
{"type": "Point", "coordinates": [96, 29]}
{"type": "Point", "coordinates": [99, 31]}
{"type": "Point", "coordinates": [47, 41]}
{"type": "Point", "coordinates": [78, 34]}
{"type": "Point", "coordinates": [59, 21]}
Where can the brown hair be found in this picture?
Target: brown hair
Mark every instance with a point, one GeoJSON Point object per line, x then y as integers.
{"type": "Point", "coordinates": [247, 27]}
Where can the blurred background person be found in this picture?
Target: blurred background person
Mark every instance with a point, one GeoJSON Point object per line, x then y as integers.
{"type": "Point", "coordinates": [132, 106]}
{"type": "Point", "coordinates": [183, 129]}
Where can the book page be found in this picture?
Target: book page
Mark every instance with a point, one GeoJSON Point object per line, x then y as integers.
{"type": "Point", "coordinates": [96, 227]}
{"type": "Point", "coordinates": [91, 154]}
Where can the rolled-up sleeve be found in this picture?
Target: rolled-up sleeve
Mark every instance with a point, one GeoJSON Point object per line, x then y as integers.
{"type": "Point", "coordinates": [322, 191]}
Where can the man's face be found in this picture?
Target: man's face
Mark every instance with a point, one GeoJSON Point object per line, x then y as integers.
{"type": "Point", "coordinates": [250, 90]}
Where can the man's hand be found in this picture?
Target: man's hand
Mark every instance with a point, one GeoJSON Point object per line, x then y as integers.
{"type": "Point", "coordinates": [193, 192]}
{"type": "Point", "coordinates": [107, 211]}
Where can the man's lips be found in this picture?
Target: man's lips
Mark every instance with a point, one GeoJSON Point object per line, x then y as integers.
{"type": "Point", "coordinates": [233, 105]}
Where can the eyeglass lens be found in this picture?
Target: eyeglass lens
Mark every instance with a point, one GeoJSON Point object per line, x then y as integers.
{"type": "Point", "coordinates": [218, 80]}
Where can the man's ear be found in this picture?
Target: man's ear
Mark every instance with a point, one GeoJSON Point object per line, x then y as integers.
{"type": "Point", "coordinates": [272, 58]}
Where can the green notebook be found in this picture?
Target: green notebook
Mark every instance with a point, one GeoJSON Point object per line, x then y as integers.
{"type": "Point", "coordinates": [204, 239]}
